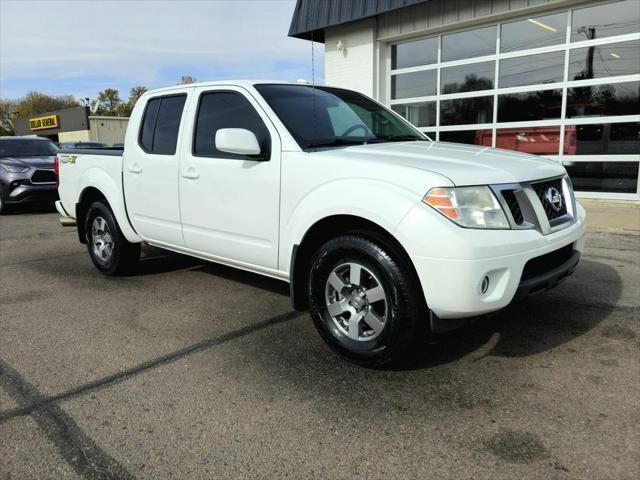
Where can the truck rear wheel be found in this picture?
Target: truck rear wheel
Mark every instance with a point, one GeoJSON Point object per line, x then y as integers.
{"type": "Point", "coordinates": [365, 302]}
{"type": "Point", "coordinates": [109, 250]}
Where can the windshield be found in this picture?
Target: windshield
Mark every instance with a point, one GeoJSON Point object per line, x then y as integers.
{"type": "Point", "coordinates": [325, 116]}
{"type": "Point", "coordinates": [27, 148]}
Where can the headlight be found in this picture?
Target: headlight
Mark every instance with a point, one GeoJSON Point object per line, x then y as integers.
{"type": "Point", "coordinates": [14, 168]}
{"type": "Point", "coordinates": [470, 207]}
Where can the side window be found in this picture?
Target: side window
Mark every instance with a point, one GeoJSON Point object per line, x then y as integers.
{"type": "Point", "coordinates": [226, 110]}
{"type": "Point", "coordinates": [168, 124]}
{"type": "Point", "coordinates": [160, 125]}
{"type": "Point", "coordinates": [149, 124]}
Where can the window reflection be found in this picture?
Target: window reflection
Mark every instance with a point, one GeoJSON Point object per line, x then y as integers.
{"type": "Point", "coordinates": [534, 140]}
{"type": "Point", "coordinates": [421, 114]}
{"type": "Point", "coordinates": [416, 84]}
{"type": "Point", "coordinates": [605, 60]}
{"type": "Point", "coordinates": [466, 110]}
{"type": "Point", "coordinates": [602, 100]}
{"type": "Point", "coordinates": [468, 78]}
{"type": "Point", "coordinates": [472, 43]}
{"type": "Point", "coordinates": [616, 18]}
{"type": "Point", "coordinates": [533, 32]}
{"type": "Point", "coordinates": [472, 137]}
{"type": "Point", "coordinates": [618, 177]}
{"type": "Point", "coordinates": [610, 139]}
{"type": "Point", "coordinates": [532, 69]}
{"type": "Point", "coordinates": [527, 106]}
{"type": "Point", "coordinates": [411, 54]}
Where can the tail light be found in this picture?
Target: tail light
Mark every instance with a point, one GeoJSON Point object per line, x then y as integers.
{"type": "Point", "coordinates": [56, 169]}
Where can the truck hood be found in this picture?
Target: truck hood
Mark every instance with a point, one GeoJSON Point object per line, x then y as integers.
{"type": "Point", "coordinates": [32, 162]}
{"type": "Point", "coordinates": [462, 164]}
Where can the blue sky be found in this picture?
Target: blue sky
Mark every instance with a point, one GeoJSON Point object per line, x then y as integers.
{"type": "Point", "coordinates": [82, 47]}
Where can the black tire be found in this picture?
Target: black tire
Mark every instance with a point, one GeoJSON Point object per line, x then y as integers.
{"type": "Point", "coordinates": [123, 255]}
{"type": "Point", "coordinates": [3, 204]}
{"type": "Point", "coordinates": [406, 312]}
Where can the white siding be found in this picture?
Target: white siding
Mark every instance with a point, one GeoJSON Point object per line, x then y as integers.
{"type": "Point", "coordinates": [355, 66]}
{"type": "Point", "coordinates": [108, 130]}
{"type": "Point", "coordinates": [77, 136]}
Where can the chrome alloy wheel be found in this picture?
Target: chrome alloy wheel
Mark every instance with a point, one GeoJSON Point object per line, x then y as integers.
{"type": "Point", "coordinates": [101, 239]}
{"type": "Point", "coordinates": [356, 301]}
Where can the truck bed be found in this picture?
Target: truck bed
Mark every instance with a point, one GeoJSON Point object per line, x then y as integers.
{"type": "Point", "coordinates": [80, 168]}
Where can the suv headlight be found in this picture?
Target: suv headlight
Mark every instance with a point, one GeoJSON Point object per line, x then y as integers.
{"type": "Point", "coordinates": [469, 207]}
{"type": "Point", "coordinates": [14, 168]}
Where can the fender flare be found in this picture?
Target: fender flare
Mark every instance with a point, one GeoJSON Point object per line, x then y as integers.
{"type": "Point", "coordinates": [99, 180]}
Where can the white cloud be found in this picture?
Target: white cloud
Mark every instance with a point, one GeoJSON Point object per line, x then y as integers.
{"type": "Point", "coordinates": [142, 42]}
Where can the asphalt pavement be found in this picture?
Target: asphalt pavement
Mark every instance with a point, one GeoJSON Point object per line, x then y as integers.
{"type": "Point", "coordinates": [193, 370]}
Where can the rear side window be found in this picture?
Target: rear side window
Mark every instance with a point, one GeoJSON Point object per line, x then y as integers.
{"type": "Point", "coordinates": [148, 124]}
{"type": "Point", "coordinates": [160, 125]}
{"type": "Point", "coordinates": [227, 110]}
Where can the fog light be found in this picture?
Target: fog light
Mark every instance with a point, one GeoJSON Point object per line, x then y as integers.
{"type": "Point", "coordinates": [484, 286]}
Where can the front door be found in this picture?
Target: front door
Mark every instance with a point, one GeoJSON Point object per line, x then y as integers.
{"type": "Point", "coordinates": [230, 203]}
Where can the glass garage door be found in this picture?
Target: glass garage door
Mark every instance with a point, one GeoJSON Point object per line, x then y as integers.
{"type": "Point", "coordinates": [565, 85]}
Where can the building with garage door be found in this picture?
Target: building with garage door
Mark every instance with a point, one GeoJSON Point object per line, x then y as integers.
{"type": "Point", "coordinates": [550, 77]}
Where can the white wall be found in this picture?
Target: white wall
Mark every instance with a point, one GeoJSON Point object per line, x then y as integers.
{"type": "Point", "coordinates": [108, 130]}
{"type": "Point", "coordinates": [355, 66]}
{"type": "Point", "coordinates": [77, 136]}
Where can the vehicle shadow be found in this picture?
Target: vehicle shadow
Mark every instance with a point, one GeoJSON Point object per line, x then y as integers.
{"type": "Point", "coordinates": [537, 324]}
{"type": "Point", "coordinates": [155, 260]}
{"type": "Point", "coordinates": [29, 208]}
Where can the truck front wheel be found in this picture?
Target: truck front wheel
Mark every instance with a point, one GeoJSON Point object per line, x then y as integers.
{"type": "Point", "coordinates": [365, 301]}
{"type": "Point", "coordinates": [109, 250]}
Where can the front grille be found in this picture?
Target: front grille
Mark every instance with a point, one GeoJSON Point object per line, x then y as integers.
{"type": "Point", "coordinates": [545, 263]}
{"type": "Point", "coordinates": [514, 206]}
{"type": "Point", "coordinates": [43, 176]}
{"type": "Point", "coordinates": [542, 189]}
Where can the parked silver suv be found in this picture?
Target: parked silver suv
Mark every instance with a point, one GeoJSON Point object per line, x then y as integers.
{"type": "Point", "coordinates": [27, 171]}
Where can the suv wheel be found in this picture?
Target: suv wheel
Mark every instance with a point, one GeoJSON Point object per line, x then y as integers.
{"type": "Point", "coordinates": [364, 300]}
{"type": "Point", "coordinates": [3, 205]}
{"type": "Point", "coordinates": [109, 250]}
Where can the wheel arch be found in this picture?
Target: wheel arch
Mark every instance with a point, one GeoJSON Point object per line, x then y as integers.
{"type": "Point", "coordinates": [324, 230]}
{"type": "Point", "coordinates": [90, 194]}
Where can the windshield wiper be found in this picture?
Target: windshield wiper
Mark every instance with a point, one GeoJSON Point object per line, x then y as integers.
{"type": "Point", "coordinates": [337, 142]}
{"type": "Point", "coordinates": [398, 138]}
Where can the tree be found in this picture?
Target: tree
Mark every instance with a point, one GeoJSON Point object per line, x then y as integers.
{"type": "Point", "coordinates": [7, 108]}
{"type": "Point", "coordinates": [32, 103]}
{"type": "Point", "coordinates": [186, 79]}
{"type": "Point", "coordinates": [108, 103]}
{"type": "Point", "coordinates": [135, 93]}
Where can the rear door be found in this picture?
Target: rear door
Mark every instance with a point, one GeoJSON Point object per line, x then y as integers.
{"type": "Point", "coordinates": [230, 203]}
{"type": "Point", "coordinates": [151, 170]}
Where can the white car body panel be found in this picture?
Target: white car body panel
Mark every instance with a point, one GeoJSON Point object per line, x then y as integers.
{"type": "Point", "coordinates": [252, 215]}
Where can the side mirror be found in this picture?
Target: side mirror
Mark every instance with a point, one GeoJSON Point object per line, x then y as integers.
{"type": "Point", "coordinates": [237, 140]}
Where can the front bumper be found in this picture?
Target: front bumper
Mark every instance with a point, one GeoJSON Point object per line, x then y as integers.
{"type": "Point", "coordinates": [452, 262]}
{"type": "Point", "coordinates": [18, 188]}
{"type": "Point", "coordinates": [32, 193]}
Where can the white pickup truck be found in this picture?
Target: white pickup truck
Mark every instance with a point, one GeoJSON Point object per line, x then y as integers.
{"type": "Point", "coordinates": [381, 233]}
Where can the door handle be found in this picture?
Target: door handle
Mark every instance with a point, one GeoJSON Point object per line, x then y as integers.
{"type": "Point", "coordinates": [135, 168]}
{"type": "Point", "coordinates": [191, 174]}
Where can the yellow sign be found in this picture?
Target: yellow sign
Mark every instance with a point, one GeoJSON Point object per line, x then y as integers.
{"type": "Point", "coordinates": [42, 123]}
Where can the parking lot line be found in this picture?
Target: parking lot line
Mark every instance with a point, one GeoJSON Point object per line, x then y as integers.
{"type": "Point", "coordinates": [75, 447]}
{"type": "Point", "coordinates": [35, 402]}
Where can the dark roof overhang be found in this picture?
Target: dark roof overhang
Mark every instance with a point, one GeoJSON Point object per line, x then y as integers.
{"type": "Point", "coordinates": [311, 17]}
